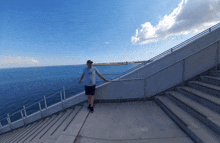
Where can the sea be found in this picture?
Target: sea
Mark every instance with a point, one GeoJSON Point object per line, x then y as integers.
{"type": "Point", "coordinates": [27, 86]}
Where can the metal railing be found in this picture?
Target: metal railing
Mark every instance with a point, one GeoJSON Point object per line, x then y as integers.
{"type": "Point", "coordinates": [183, 60]}
{"type": "Point", "coordinates": [63, 96]}
{"type": "Point", "coordinates": [23, 111]}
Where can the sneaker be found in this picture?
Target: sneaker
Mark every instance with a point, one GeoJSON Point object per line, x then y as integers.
{"type": "Point", "coordinates": [89, 106]}
{"type": "Point", "coordinates": [92, 109]}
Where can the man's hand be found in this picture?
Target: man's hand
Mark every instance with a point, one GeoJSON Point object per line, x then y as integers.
{"type": "Point", "coordinates": [106, 80]}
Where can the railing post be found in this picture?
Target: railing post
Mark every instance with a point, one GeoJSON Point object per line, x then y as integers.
{"type": "Point", "coordinates": [25, 114]}
{"type": "Point", "coordinates": [40, 109]}
{"type": "Point", "coordinates": [183, 73]}
{"type": "Point", "coordinates": [64, 94]}
{"type": "Point", "coordinates": [210, 30]}
{"type": "Point", "coordinates": [39, 106]}
{"type": "Point", "coordinates": [45, 102]}
{"type": "Point", "coordinates": [8, 119]}
{"type": "Point", "coordinates": [216, 57]}
{"type": "Point", "coordinates": [171, 50]}
{"type": "Point", "coordinates": [61, 98]}
{"type": "Point", "coordinates": [22, 116]}
{"type": "Point", "coordinates": [0, 125]}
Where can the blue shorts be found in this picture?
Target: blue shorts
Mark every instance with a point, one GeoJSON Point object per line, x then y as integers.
{"type": "Point", "coordinates": [90, 90]}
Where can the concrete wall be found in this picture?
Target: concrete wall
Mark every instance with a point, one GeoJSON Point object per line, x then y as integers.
{"type": "Point", "coordinates": [164, 79]}
{"type": "Point", "coordinates": [120, 90]}
{"type": "Point", "coordinates": [168, 77]}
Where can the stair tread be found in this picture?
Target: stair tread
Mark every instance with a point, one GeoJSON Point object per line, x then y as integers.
{"type": "Point", "coordinates": [54, 126]}
{"type": "Point", "coordinates": [213, 77]}
{"type": "Point", "coordinates": [34, 130]}
{"type": "Point", "coordinates": [199, 129]}
{"type": "Point", "coordinates": [17, 135]}
{"type": "Point", "coordinates": [27, 130]}
{"type": "Point", "coordinates": [215, 71]}
{"type": "Point", "coordinates": [8, 135]}
{"type": "Point", "coordinates": [76, 124]}
{"type": "Point", "coordinates": [39, 129]}
{"type": "Point", "coordinates": [67, 121]}
{"type": "Point", "coordinates": [206, 84]}
{"type": "Point", "coordinates": [200, 108]}
{"type": "Point", "coordinates": [202, 94]}
{"type": "Point", "coordinates": [49, 124]}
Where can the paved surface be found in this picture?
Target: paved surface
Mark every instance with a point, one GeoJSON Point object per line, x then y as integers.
{"type": "Point", "coordinates": [125, 122]}
{"type": "Point", "coordinates": [139, 121]}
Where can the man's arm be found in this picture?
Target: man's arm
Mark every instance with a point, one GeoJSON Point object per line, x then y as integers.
{"type": "Point", "coordinates": [81, 78]}
{"type": "Point", "coordinates": [102, 77]}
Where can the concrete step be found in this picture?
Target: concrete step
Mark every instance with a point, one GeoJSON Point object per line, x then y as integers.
{"type": "Point", "coordinates": [215, 73]}
{"type": "Point", "coordinates": [206, 116]}
{"type": "Point", "coordinates": [5, 136]}
{"type": "Point", "coordinates": [35, 129]}
{"type": "Point", "coordinates": [54, 127]}
{"type": "Point", "coordinates": [205, 99]}
{"type": "Point", "coordinates": [16, 135]}
{"type": "Point", "coordinates": [49, 124]}
{"type": "Point", "coordinates": [198, 132]}
{"type": "Point", "coordinates": [54, 135]}
{"type": "Point", "coordinates": [71, 132]}
{"type": "Point", "coordinates": [43, 131]}
{"type": "Point", "coordinates": [205, 87]}
{"type": "Point", "coordinates": [8, 135]}
{"type": "Point", "coordinates": [39, 129]}
{"type": "Point", "coordinates": [26, 131]}
{"type": "Point", "coordinates": [210, 80]}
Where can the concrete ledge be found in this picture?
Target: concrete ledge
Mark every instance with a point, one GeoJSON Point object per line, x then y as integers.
{"type": "Point", "coordinates": [52, 109]}
{"type": "Point", "coordinates": [33, 117]}
{"type": "Point", "coordinates": [17, 124]}
{"type": "Point", "coordinates": [79, 98]}
{"type": "Point", "coordinates": [5, 129]}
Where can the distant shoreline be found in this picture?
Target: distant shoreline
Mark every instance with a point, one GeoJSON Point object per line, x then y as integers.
{"type": "Point", "coordinates": [94, 64]}
{"type": "Point", "coordinates": [119, 63]}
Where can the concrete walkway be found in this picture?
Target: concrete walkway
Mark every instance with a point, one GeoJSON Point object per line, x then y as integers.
{"type": "Point", "coordinates": [128, 122]}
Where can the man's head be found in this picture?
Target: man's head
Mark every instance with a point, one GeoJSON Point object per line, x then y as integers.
{"type": "Point", "coordinates": [89, 63]}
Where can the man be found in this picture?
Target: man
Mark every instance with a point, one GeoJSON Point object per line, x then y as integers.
{"type": "Point", "coordinates": [90, 82]}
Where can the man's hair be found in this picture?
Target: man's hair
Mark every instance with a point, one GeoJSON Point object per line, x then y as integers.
{"type": "Point", "coordinates": [89, 61]}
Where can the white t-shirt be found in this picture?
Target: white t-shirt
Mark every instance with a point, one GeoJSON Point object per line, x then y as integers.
{"type": "Point", "coordinates": [90, 78]}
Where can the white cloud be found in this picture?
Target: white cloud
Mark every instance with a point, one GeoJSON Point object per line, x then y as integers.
{"type": "Point", "coordinates": [189, 16]}
{"type": "Point", "coordinates": [17, 61]}
{"type": "Point", "coordinates": [106, 42]}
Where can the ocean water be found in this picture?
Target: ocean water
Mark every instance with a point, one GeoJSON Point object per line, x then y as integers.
{"type": "Point", "coordinates": [26, 86]}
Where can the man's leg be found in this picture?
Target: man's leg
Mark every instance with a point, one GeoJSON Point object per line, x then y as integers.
{"type": "Point", "coordinates": [92, 96]}
{"type": "Point", "coordinates": [89, 98]}
{"type": "Point", "coordinates": [92, 100]}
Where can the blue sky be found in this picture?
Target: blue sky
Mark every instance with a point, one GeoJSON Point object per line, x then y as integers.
{"type": "Point", "coordinates": [57, 32]}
